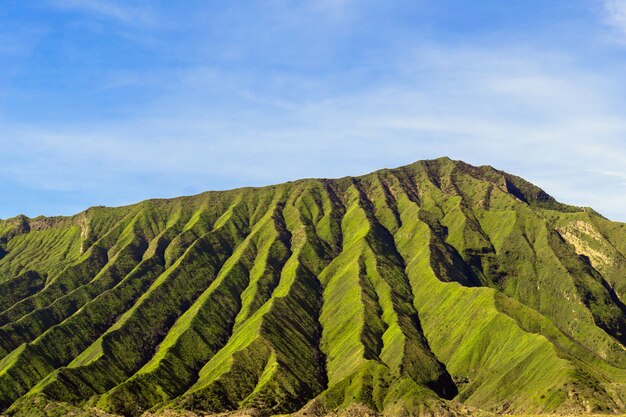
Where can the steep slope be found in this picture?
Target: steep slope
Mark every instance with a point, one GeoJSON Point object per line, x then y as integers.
{"type": "Point", "coordinates": [423, 289]}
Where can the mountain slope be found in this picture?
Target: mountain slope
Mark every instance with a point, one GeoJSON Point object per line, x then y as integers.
{"type": "Point", "coordinates": [427, 288]}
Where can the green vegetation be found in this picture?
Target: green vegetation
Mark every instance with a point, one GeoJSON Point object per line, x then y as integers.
{"type": "Point", "coordinates": [436, 288]}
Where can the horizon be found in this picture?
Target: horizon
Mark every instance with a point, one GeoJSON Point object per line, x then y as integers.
{"type": "Point", "coordinates": [111, 103]}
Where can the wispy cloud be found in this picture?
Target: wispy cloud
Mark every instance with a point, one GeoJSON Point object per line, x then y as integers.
{"type": "Point", "coordinates": [17, 42]}
{"type": "Point", "coordinates": [121, 12]}
{"type": "Point", "coordinates": [618, 175]}
{"type": "Point", "coordinates": [336, 9]}
{"type": "Point", "coordinates": [272, 95]}
{"type": "Point", "coordinates": [551, 124]}
{"type": "Point", "coordinates": [615, 16]}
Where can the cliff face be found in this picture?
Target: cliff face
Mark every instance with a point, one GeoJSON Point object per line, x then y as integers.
{"type": "Point", "coordinates": [393, 292]}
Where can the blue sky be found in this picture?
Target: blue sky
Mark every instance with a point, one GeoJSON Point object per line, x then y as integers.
{"type": "Point", "coordinates": [112, 102]}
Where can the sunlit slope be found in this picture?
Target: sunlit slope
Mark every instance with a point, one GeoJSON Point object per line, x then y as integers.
{"type": "Point", "coordinates": [427, 288]}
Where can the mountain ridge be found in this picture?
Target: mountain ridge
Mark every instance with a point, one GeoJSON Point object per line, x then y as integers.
{"type": "Point", "coordinates": [427, 288]}
{"type": "Point", "coordinates": [264, 187]}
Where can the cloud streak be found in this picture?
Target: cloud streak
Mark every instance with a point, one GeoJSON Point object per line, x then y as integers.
{"type": "Point", "coordinates": [120, 12]}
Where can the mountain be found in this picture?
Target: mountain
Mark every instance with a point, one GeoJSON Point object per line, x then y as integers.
{"type": "Point", "coordinates": [436, 288]}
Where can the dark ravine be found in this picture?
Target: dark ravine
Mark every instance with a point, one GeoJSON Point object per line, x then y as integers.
{"type": "Point", "coordinates": [437, 288]}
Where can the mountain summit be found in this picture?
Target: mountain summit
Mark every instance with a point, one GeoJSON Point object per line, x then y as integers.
{"type": "Point", "coordinates": [435, 288]}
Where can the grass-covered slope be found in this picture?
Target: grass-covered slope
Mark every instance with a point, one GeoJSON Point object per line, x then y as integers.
{"type": "Point", "coordinates": [428, 288]}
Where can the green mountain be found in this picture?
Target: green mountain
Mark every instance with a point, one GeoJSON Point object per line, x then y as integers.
{"type": "Point", "coordinates": [437, 288]}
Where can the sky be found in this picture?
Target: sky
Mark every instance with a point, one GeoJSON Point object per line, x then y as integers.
{"type": "Point", "coordinates": [109, 102]}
